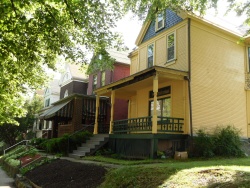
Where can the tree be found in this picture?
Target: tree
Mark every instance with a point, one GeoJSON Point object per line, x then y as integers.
{"type": "Point", "coordinates": [11, 133]}
{"type": "Point", "coordinates": [34, 32]}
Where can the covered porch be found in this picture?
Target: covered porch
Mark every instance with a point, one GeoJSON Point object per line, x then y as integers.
{"type": "Point", "coordinates": [76, 112]}
{"type": "Point", "coordinates": [157, 102]}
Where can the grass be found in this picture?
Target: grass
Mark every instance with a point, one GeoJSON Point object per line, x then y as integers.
{"type": "Point", "coordinates": [218, 172]}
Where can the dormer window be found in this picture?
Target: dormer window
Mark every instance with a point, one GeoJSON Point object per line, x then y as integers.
{"type": "Point", "coordinates": [159, 23]}
{"type": "Point", "coordinates": [150, 55]}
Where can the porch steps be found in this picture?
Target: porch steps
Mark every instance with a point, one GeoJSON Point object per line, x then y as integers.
{"type": "Point", "coordinates": [91, 146]}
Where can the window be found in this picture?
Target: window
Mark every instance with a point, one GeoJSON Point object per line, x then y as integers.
{"type": "Point", "coordinates": [103, 78]}
{"type": "Point", "coordinates": [163, 107]}
{"type": "Point", "coordinates": [47, 102]}
{"type": "Point", "coordinates": [170, 47]}
{"type": "Point", "coordinates": [159, 23]}
{"type": "Point", "coordinates": [150, 55]}
{"type": "Point", "coordinates": [94, 82]}
{"type": "Point", "coordinates": [66, 93]}
{"type": "Point", "coordinates": [249, 59]}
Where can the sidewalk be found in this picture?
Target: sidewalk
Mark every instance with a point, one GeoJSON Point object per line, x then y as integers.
{"type": "Point", "coordinates": [5, 180]}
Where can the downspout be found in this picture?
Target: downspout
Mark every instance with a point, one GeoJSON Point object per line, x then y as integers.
{"type": "Point", "coordinates": [189, 78]}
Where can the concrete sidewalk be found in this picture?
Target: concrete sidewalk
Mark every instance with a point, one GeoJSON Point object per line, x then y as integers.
{"type": "Point", "coordinates": [5, 180]}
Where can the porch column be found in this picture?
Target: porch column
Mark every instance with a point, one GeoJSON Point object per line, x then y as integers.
{"type": "Point", "coordinates": [96, 114]}
{"type": "Point", "coordinates": [155, 90]}
{"type": "Point", "coordinates": [112, 111]}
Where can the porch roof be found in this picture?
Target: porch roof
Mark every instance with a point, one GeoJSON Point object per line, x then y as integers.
{"type": "Point", "coordinates": [127, 86]}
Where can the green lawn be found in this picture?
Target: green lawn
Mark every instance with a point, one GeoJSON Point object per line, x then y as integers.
{"type": "Point", "coordinates": [233, 173]}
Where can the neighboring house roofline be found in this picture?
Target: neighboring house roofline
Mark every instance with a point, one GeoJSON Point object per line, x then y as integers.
{"type": "Point", "coordinates": [72, 80]}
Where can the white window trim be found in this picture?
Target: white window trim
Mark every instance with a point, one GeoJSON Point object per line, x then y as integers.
{"type": "Point", "coordinates": [66, 93]}
{"type": "Point", "coordinates": [171, 60]}
{"type": "Point", "coordinates": [156, 22]}
{"type": "Point", "coordinates": [153, 54]}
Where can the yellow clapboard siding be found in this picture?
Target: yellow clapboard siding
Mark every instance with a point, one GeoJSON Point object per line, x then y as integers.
{"type": "Point", "coordinates": [134, 64]}
{"type": "Point", "coordinates": [218, 95]}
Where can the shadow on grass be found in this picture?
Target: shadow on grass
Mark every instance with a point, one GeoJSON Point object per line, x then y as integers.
{"type": "Point", "coordinates": [224, 173]}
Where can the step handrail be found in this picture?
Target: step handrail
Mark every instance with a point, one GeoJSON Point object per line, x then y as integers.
{"type": "Point", "coordinates": [4, 151]}
{"type": "Point", "coordinates": [82, 129]}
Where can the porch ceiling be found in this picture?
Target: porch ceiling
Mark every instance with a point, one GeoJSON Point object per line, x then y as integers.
{"type": "Point", "coordinates": [127, 87]}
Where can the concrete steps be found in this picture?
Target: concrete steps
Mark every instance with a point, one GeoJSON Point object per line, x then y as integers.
{"type": "Point", "coordinates": [92, 145]}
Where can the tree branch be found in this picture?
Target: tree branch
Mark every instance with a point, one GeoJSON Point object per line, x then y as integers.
{"type": "Point", "coordinates": [13, 6]}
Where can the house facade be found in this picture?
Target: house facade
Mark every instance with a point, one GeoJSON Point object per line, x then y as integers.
{"type": "Point", "coordinates": [100, 78]}
{"type": "Point", "coordinates": [51, 94]}
{"type": "Point", "coordinates": [186, 74]}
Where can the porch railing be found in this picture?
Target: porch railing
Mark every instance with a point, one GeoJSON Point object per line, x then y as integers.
{"type": "Point", "coordinates": [144, 124]}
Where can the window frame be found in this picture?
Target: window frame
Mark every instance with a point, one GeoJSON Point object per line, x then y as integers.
{"type": "Point", "coordinates": [66, 93]}
{"type": "Point", "coordinates": [161, 99]}
{"type": "Point", "coordinates": [174, 47]}
{"type": "Point", "coordinates": [157, 28]}
{"type": "Point", "coordinates": [248, 58]}
{"type": "Point", "coordinates": [94, 85]}
{"type": "Point", "coordinates": [103, 78]}
{"type": "Point", "coordinates": [162, 94]}
{"type": "Point", "coordinates": [152, 44]}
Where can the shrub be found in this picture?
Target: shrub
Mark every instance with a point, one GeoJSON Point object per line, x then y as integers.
{"type": "Point", "coordinates": [203, 144]}
{"type": "Point", "coordinates": [224, 142]}
{"type": "Point", "coordinates": [227, 142]}
{"type": "Point", "coordinates": [65, 143]}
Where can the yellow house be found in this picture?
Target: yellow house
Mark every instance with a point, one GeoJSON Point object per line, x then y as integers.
{"type": "Point", "coordinates": [186, 74]}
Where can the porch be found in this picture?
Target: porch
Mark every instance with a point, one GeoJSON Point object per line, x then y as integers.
{"type": "Point", "coordinates": [157, 102]}
{"type": "Point", "coordinates": [144, 125]}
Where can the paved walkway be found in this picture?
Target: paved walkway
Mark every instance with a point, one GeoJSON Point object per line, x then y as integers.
{"type": "Point", "coordinates": [5, 180]}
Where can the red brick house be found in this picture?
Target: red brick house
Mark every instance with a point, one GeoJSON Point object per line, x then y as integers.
{"type": "Point", "coordinates": [120, 70]}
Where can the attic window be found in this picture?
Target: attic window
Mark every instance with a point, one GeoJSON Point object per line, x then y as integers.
{"type": "Point", "coordinates": [159, 23]}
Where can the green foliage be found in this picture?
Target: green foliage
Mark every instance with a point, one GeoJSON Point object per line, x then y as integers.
{"type": "Point", "coordinates": [11, 133]}
{"type": "Point", "coordinates": [225, 141]}
{"type": "Point", "coordinates": [34, 33]}
{"type": "Point", "coordinates": [203, 144]}
{"type": "Point", "coordinates": [12, 157]}
{"type": "Point", "coordinates": [64, 143]}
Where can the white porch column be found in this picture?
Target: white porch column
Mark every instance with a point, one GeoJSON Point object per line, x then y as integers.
{"type": "Point", "coordinates": [112, 111]}
{"type": "Point", "coordinates": [155, 90]}
{"type": "Point", "coordinates": [96, 114]}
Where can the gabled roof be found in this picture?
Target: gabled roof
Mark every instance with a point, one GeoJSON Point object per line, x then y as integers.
{"type": "Point", "coordinates": [119, 56]}
{"type": "Point", "coordinates": [76, 73]}
{"type": "Point", "coordinates": [238, 31]}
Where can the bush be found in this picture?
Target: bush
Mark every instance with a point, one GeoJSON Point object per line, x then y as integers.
{"type": "Point", "coordinates": [227, 142]}
{"type": "Point", "coordinates": [203, 145]}
{"type": "Point", "coordinates": [224, 142]}
{"type": "Point", "coordinates": [65, 143]}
